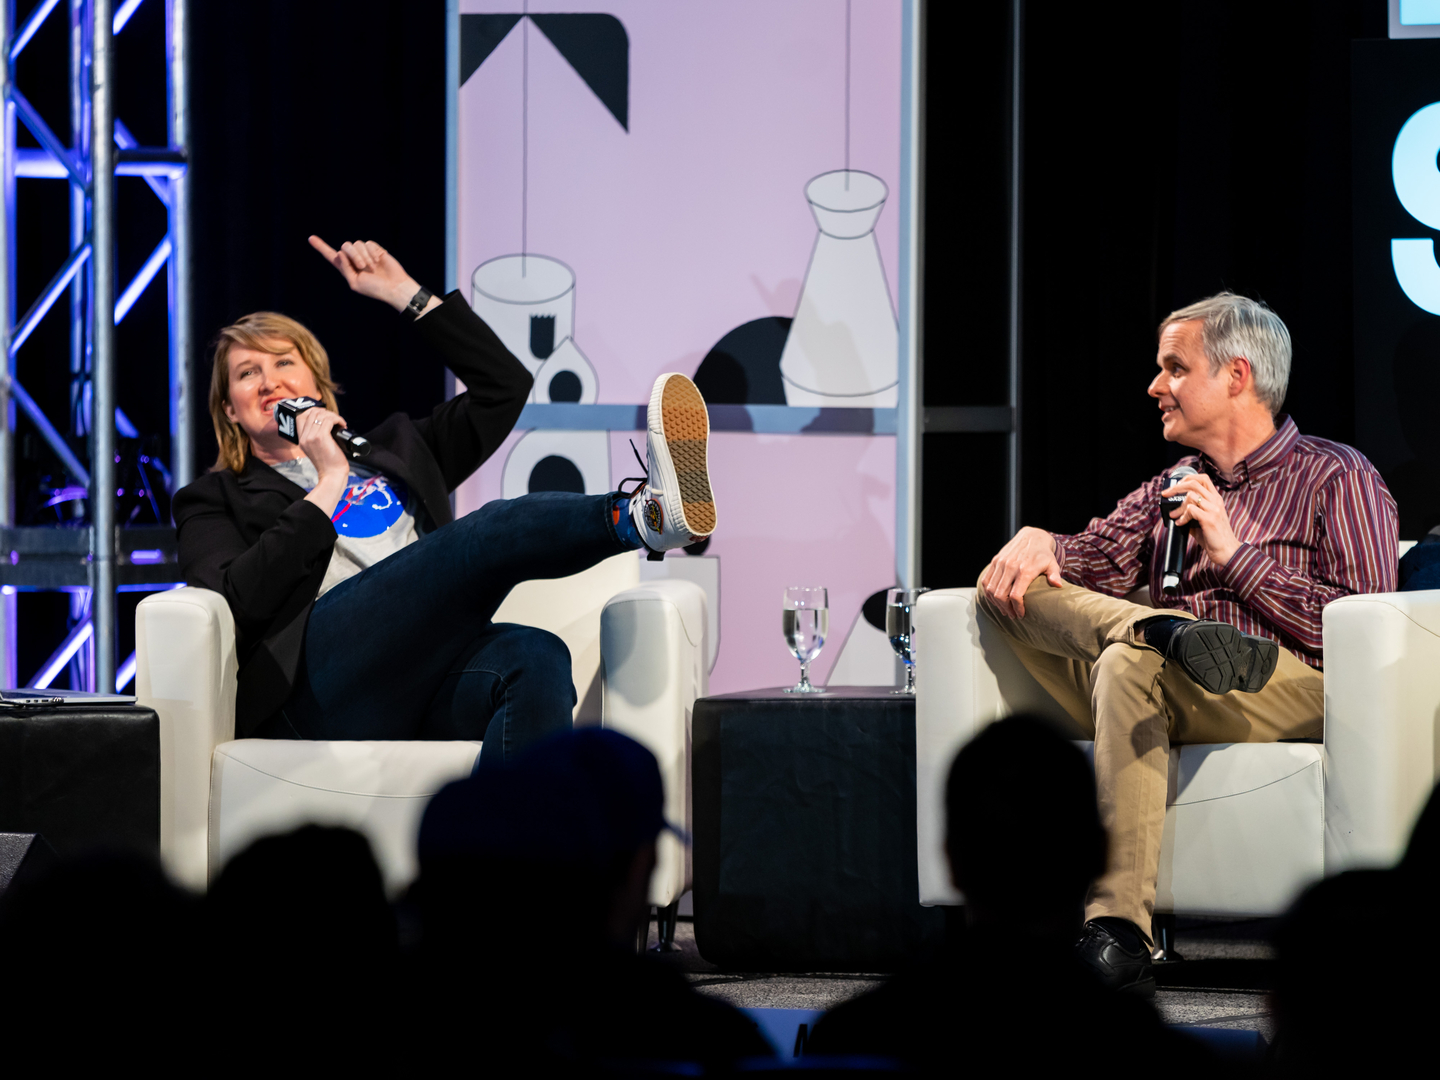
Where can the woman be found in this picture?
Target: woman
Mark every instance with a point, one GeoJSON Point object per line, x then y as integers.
{"type": "Point", "coordinates": [362, 610]}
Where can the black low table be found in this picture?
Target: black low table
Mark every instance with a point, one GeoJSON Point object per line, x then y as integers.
{"type": "Point", "coordinates": [82, 776]}
{"type": "Point", "coordinates": [804, 815]}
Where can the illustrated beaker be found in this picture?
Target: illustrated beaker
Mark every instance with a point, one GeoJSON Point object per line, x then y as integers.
{"type": "Point", "coordinates": [843, 346]}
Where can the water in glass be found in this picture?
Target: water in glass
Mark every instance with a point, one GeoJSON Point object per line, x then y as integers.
{"type": "Point", "coordinates": [900, 629]}
{"type": "Point", "coordinates": [805, 631]}
{"type": "Point", "coordinates": [805, 621]}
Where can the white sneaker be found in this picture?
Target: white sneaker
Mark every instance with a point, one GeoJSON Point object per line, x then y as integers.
{"type": "Point", "coordinates": [676, 506]}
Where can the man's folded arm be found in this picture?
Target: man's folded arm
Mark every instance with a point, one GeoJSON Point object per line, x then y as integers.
{"type": "Point", "coordinates": [1359, 553]}
{"type": "Point", "coordinates": [1112, 555]}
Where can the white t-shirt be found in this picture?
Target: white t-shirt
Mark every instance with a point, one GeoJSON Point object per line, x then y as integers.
{"type": "Point", "coordinates": [372, 520]}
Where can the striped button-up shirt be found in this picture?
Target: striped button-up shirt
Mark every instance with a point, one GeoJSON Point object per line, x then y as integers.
{"type": "Point", "coordinates": [1314, 520]}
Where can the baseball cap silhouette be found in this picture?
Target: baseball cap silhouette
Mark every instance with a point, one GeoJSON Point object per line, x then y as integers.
{"type": "Point", "coordinates": [581, 797]}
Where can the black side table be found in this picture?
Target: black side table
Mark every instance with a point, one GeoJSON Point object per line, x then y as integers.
{"type": "Point", "coordinates": [804, 815]}
{"type": "Point", "coordinates": [82, 776]}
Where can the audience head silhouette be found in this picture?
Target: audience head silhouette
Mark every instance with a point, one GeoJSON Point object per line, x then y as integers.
{"type": "Point", "coordinates": [574, 818]}
{"type": "Point", "coordinates": [1025, 841]}
{"type": "Point", "coordinates": [1022, 829]}
{"type": "Point", "coordinates": [96, 948]}
{"type": "Point", "coordinates": [538, 872]}
{"type": "Point", "coordinates": [313, 897]}
{"type": "Point", "coordinates": [1422, 856]}
{"type": "Point", "coordinates": [1340, 1005]}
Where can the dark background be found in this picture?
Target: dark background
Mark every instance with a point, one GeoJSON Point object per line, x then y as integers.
{"type": "Point", "coordinates": [1170, 150]}
{"type": "Point", "coordinates": [1396, 343]}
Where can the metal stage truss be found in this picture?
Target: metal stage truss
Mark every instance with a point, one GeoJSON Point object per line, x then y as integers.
{"type": "Point", "coordinates": [97, 559]}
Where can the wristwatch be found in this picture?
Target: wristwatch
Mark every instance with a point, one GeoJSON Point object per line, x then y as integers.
{"type": "Point", "coordinates": [418, 302]}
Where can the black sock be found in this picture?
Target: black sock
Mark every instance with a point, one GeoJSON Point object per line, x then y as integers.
{"type": "Point", "coordinates": [1158, 630]}
{"type": "Point", "coordinates": [1126, 932]}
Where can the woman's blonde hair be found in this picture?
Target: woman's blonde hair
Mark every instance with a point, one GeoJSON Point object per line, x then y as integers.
{"type": "Point", "coordinates": [263, 331]}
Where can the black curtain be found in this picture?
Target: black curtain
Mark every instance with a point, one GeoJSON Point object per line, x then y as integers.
{"type": "Point", "coordinates": [323, 117]}
{"type": "Point", "coordinates": [1170, 151]}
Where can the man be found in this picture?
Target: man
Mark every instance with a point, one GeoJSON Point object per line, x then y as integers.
{"type": "Point", "coordinates": [1280, 524]}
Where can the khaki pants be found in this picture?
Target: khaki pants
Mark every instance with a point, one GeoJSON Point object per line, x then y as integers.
{"type": "Point", "coordinates": [1082, 648]}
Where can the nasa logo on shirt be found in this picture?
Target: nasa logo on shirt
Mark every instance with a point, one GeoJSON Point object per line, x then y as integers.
{"type": "Point", "coordinates": [370, 505]}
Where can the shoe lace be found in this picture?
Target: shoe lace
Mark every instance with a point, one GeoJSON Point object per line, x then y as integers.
{"type": "Point", "coordinates": [640, 481]}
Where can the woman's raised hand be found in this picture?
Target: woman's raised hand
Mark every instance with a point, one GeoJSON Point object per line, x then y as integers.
{"type": "Point", "coordinates": [370, 270]}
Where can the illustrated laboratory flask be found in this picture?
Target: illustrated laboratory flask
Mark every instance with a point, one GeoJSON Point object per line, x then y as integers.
{"type": "Point", "coordinates": [529, 301]}
{"type": "Point", "coordinates": [843, 346]}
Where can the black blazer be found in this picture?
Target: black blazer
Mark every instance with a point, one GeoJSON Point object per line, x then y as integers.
{"type": "Point", "coordinates": [254, 539]}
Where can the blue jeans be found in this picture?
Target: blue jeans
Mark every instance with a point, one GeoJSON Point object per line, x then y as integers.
{"type": "Point", "coordinates": [405, 649]}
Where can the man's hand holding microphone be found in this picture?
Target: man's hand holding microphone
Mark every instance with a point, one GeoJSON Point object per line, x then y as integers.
{"type": "Point", "coordinates": [1190, 498]}
{"type": "Point", "coordinates": [1202, 505]}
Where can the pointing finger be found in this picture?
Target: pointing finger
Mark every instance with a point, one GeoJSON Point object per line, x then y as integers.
{"type": "Point", "coordinates": [323, 248]}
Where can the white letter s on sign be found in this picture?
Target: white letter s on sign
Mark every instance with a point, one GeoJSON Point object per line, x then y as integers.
{"type": "Point", "coordinates": [1417, 184]}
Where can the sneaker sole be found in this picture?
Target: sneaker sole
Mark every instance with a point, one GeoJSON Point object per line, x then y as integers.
{"type": "Point", "coordinates": [685, 427]}
{"type": "Point", "coordinates": [1212, 656]}
{"type": "Point", "coordinates": [1220, 657]}
{"type": "Point", "coordinates": [1265, 655]}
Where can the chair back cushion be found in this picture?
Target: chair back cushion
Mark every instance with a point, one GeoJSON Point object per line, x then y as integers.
{"type": "Point", "coordinates": [569, 608]}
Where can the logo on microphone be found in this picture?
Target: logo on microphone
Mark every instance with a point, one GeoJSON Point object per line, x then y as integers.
{"type": "Point", "coordinates": [286, 423]}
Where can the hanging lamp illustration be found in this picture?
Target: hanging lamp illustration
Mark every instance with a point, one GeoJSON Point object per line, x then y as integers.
{"type": "Point", "coordinates": [529, 299]}
{"type": "Point", "coordinates": [843, 345]}
{"type": "Point", "coordinates": [844, 342]}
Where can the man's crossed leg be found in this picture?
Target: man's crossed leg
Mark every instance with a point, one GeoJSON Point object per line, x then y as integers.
{"type": "Point", "coordinates": [1085, 649]}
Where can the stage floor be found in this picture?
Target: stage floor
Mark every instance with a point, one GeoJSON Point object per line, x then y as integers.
{"type": "Point", "coordinates": [1222, 983]}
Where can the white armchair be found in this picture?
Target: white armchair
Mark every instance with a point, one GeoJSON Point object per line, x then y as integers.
{"type": "Point", "coordinates": [1247, 825]}
{"type": "Point", "coordinates": [218, 793]}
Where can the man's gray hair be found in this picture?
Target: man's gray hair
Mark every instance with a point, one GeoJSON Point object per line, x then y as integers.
{"type": "Point", "coordinates": [1234, 326]}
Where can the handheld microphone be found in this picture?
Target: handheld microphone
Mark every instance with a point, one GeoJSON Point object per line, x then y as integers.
{"type": "Point", "coordinates": [287, 415]}
{"type": "Point", "coordinates": [1176, 537]}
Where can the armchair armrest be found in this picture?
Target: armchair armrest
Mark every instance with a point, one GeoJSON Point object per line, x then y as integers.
{"type": "Point", "coordinates": [185, 670]}
{"type": "Point", "coordinates": [655, 660]}
{"type": "Point", "coordinates": [1382, 709]}
{"type": "Point", "coordinates": [966, 675]}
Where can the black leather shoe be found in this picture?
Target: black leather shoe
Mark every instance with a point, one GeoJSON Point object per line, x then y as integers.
{"type": "Point", "coordinates": [1220, 658]}
{"type": "Point", "coordinates": [1116, 951]}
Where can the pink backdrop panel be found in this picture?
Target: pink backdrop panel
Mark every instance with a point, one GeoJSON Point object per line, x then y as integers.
{"type": "Point", "coordinates": [694, 221]}
{"type": "Point", "coordinates": [688, 225]}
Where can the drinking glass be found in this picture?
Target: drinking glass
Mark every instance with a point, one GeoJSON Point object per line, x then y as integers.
{"type": "Point", "coordinates": [806, 623]}
{"type": "Point", "coordinates": [900, 629]}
